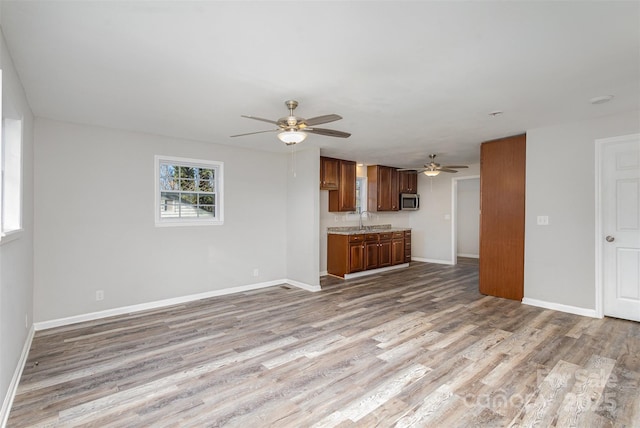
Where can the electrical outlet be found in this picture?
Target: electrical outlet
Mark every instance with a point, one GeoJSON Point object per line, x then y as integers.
{"type": "Point", "coordinates": [543, 220]}
{"type": "Point", "coordinates": [256, 272]}
{"type": "Point", "coordinates": [100, 295]}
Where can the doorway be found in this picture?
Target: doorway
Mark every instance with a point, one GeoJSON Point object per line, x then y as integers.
{"type": "Point", "coordinates": [465, 218]}
{"type": "Point", "coordinates": [618, 227]}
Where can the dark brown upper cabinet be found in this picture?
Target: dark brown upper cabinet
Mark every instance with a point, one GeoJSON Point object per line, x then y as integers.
{"type": "Point", "coordinates": [344, 198]}
{"type": "Point", "coordinates": [408, 182]}
{"type": "Point", "coordinates": [329, 173]}
{"type": "Point", "coordinates": [383, 189]}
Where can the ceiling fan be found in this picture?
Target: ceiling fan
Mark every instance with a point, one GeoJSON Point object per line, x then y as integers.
{"type": "Point", "coordinates": [293, 129]}
{"type": "Point", "coordinates": [433, 168]}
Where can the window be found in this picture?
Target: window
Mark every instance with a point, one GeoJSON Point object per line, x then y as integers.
{"type": "Point", "coordinates": [10, 175]}
{"type": "Point", "coordinates": [188, 192]}
{"type": "Point", "coordinates": [361, 194]}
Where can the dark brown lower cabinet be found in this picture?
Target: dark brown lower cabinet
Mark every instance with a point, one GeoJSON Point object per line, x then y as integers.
{"type": "Point", "coordinates": [377, 248]}
{"type": "Point", "coordinates": [345, 254]}
{"type": "Point", "coordinates": [407, 246]}
{"type": "Point", "coordinates": [397, 248]}
{"type": "Point", "coordinates": [356, 257]}
{"type": "Point", "coordinates": [502, 210]}
{"type": "Point", "coordinates": [371, 253]}
{"type": "Point", "coordinates": [355, 253]}
{"type": "Point", "coordinates": [385, 250]}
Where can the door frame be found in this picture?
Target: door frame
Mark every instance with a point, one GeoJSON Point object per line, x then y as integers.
{"type": "Point", "coordinates": [600, 145]}
{"type": "Point", "coordinates": [454, 215]}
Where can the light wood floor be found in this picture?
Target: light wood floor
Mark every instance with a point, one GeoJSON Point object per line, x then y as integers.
{"type": "Point", "coordinates": [412, 348]}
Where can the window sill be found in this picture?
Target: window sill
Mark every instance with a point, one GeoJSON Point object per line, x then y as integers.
{"type": "Point", "coordinates": [11, 235]}
{"type": "Point", "coordinates": [188, 223]}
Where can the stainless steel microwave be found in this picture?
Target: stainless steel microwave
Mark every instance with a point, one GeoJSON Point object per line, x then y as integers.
{"type": "Point", "coordinates": [409, 201]}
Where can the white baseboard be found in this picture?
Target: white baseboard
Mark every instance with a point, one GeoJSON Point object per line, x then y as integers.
{"type": "Point", "coordinates": [43, 325]}
{"type": "Point", "coordinates": [560, 307]}
{"type": "Point", "coordinates": [374, 271]}
{"type": "Point", "coordinates": [440, 262]}
{"type": "Point", "coordinates": [15, 380]}
{"type": "Point", "coordinates": [324, 273]}
{"type": "Point", "coordinates": [308, 287]}
{"type": "Point", "coordinates": [471, 256]}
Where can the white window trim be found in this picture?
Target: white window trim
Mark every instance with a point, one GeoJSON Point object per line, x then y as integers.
{"type": "Point", "coordinates": [12, 147]}
{"type": "Point", "coordinates": [11, 235]}
{"type": "Point", "coordinates": [219, 219]}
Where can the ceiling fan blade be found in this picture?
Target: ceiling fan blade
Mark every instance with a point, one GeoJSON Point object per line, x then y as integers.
{"type": "Point", "coordinates": [261, 119]}
{"type": "Point", "coordinates": [318, 120]}
{"type": "Point", "coordinates": [257, 132]}
{"type": "Point", "coordinates": [410, 169]}
{"type": "Point", "coordinates": [446, 170]}
{"type": "Point", "coordinates": [327, 132]}
{"type": "Point", "coordinates": [454, 166]}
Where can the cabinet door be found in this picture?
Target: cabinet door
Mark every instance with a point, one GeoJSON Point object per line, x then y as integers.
{"type": "Point", "coordinates": [344, 199]}
{"type": "Point", "coordinates": [329, 173]}
{"type": "Point", "coordinates": [384, 188]}
{"type": "Point", "coordinates": [408, 182]}
{"type": "Point", "coordinates": [385, 254]}
{"type": "Point", "coordinates": [356, 257]}
{"type": "Point", "coordinates": [397, 251]}
{"type": "Point", "coordinates": [395, 190]}
{"type": "Point", "coordinates": [502, 216]}
{"type": "Point", "coordinates": [387, 189]}
{"type": "Point", "coordinates": [371, 254]}
{"type": "Point", "coordinates": [347, 186]}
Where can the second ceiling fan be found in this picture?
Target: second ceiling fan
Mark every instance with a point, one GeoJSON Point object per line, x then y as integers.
{"type": "Point", "coordinates": [433, 168]}
{"type": "Point", "coordinates": [293, 129]}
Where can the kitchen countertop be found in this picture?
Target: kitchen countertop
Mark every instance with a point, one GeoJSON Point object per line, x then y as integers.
{"type": "Point", "coordinates": [355, 230]}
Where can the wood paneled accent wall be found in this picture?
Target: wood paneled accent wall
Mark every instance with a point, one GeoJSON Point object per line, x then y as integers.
{"type": "Point", "coordinates": [502, 211]}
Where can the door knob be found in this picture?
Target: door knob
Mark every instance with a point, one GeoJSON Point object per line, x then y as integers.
{"type": "Point", "coordinates": [610, 238]}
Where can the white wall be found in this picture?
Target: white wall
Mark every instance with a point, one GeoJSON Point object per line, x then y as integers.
{"type": "Point", "coordinates": [303, 213]}
{"type": "Point", "coordinates": [431, 225]}
{"type": "Point", "coordinates": [16, 257]}
{"type": "Point", "coordinates": [560, 257]}
{"type": "Point", "coordinates": [468, 217]}
{"type": "Point", "coordinates": [95, 221]}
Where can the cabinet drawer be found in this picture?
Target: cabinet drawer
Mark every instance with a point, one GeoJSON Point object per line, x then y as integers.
{"type": "Point", "coordinates": [371, 237]}
{"type": "Point", "coordinates": [398, 235]}
{"type": "Point", "coordinates": [356, 238]}
{"type": "Point", "coordinates": [385, 235]}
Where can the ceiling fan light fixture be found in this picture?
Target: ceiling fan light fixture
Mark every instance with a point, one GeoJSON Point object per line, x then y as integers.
{"type": "Point", "coordinates": [431, 173]}
{"type": "Point", "coordinates": [292, 137]}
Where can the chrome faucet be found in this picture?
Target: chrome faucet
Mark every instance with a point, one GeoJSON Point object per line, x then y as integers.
{"type": "Point", "coordinates": [360, 218]}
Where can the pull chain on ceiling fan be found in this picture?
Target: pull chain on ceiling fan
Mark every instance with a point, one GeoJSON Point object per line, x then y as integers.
{"type": "Point", "coordinates": [293, 130]}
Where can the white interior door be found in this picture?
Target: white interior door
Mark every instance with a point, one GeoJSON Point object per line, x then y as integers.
{"type": "Point", "coordinates": [621, 227]}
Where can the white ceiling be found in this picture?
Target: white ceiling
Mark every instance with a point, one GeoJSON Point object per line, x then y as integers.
{"type": "Point", "coordinates": [409, 78]}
